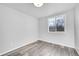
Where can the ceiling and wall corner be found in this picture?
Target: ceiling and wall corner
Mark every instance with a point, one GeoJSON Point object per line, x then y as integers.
{"type": "Point", "coordinates": [46, 10]}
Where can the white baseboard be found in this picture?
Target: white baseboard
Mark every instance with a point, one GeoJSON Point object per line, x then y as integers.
{"type": "Point", "coordinates": [61, 44]}
{"type": "Point", "coordinates": [18, 47]}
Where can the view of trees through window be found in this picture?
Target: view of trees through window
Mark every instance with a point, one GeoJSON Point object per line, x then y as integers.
{"type": "Point", "coordinates": [56, 24]}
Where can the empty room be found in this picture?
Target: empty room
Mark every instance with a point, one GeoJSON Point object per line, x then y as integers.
{"type": "Point", "coordinates": [45, 29]}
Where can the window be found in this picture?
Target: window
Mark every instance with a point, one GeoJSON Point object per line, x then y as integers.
{"type": "Point", "coordinates": [56, 24]}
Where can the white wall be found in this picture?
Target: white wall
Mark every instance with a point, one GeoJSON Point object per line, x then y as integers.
{"type": "Point", "coordinates": [16, 29]}
{"type": "Point", "coordinates": [66, 38]}
{"type": "Point", "coordinates": [77, 26]}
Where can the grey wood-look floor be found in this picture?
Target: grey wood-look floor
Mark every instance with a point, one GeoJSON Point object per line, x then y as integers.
{"type": "Point", "coordinates": [41, 48]}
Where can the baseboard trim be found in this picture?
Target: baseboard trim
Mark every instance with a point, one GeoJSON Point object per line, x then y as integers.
{"type": "Point", "coordinates": [17, 47]}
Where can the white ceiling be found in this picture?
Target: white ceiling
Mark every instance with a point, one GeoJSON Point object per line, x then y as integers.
{"type": "Point", "coordinates": [46, 10]}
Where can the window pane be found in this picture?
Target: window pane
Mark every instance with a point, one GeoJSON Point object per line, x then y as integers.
{"type": "Point", "coordinates": [60, 23]}
{"type": "Point", "coordinates": [51, 24]}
